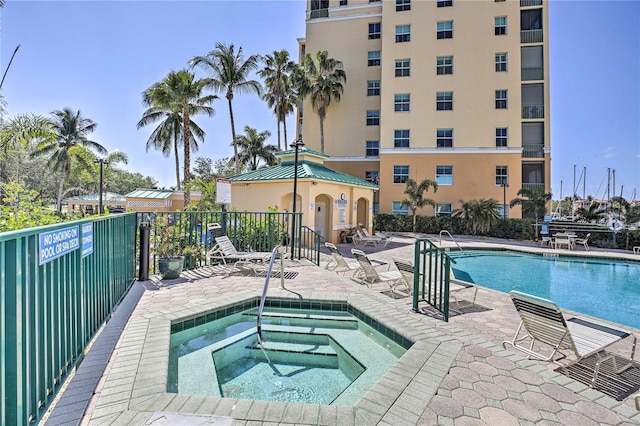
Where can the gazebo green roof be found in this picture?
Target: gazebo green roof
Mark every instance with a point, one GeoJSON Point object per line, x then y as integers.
{"type": "Point", "coordinates": [306, 170]}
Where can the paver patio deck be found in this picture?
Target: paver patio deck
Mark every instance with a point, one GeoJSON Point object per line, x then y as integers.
{"type": "Point", "coordinates": [457, 373]}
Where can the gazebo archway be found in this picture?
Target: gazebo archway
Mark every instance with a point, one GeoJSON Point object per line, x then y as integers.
{"type": "Point", "coordinates": [323, 216]}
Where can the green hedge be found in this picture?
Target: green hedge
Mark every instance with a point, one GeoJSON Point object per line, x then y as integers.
{"type": "Point", "coordinates": [510, 229]}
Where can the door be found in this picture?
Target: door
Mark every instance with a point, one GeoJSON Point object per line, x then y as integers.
{"type": "Point", "coordinates": [320, 223]}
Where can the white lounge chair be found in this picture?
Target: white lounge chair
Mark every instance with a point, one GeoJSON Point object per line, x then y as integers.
{"type": "Point", "coordinates": [383, 237]}
{"type": "Point", "coordinates": [233, 259]}
{"type": "Point", "coordinates": [406, 269]}
{"type": "Point", "coordinates": [371, 276]}
{"type": "Point", "coordinates": [543, 324]}
{"type": "Point", "coordinates": [361, 239]}
{"type": "Point", "coordinates": [338, 263]}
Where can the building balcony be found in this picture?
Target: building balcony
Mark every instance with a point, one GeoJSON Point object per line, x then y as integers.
{"type": "Point", "coordinates": [319, 13]}
{"type": "Point", "coordinates": [532, 151]}
{"type": "Point", "coordinates": [532, 74]}
{"type": "Point", "coordinates": [532, 111]}
{"type": "Point", "coordinates": [527, 3]}
{"type": "Point", "coordinates": [532, 185]}
{"type": "Point", "coordinates": [531, 36]}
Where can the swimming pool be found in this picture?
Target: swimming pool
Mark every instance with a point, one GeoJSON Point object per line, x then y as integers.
{"type": "Point", "coordinates": [607, 289]}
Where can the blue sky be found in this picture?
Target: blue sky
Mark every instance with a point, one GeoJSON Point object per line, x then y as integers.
{"type": "Point", "coordinates": [99, 56]}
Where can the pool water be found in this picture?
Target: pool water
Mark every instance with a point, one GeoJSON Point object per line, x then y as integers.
{"type": "Point", "coordinates": [607, 289]}
{"type": "Point", "coordinates": [308, 356]}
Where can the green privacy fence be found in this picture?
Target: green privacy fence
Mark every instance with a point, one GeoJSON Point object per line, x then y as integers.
{"type": "Point", "coordinates": [431, 276]}
{"type": "Point", "coordinates": [248, 231]}
{"type": "Point", "coordinates": [58, 285]}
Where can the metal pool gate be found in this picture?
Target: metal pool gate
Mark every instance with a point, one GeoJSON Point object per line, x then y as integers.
{"type": "Point", "coordinates": [431, 276]}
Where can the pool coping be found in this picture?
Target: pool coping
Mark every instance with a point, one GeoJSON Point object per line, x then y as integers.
{"type": "Point", "coordinates": [134, 390]}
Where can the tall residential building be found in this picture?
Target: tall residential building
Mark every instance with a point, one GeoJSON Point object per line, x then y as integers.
{"type": "Point", "coordinates": [449, 90]}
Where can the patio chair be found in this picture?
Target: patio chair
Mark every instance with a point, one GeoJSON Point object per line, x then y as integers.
{"type": "Point", "coordinates": [384, 238]}
{"type": "Point", "coordinates": [584, 241]}
{"type": "Point", "coordinates": [546, 241]}
{"type": "Point", "coordinates": [406, 269]}
{"type": "Point", "coordinates": [338, 263]}
{"type": "Point", "coordinates": [542, 323]}
{"type": "Point", "coordinates": [361, 239]}
{"type": "Point", "coordinates": [636, 250]}
{"type": "Point", "coordinates": [371, 276]}
{"type": "Point", "coordinates": [225, 251]}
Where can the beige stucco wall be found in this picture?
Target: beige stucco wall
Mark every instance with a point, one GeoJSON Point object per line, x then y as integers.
{"type": "Point", "coordinates": [474, 82]}
{"type": "Point", "coordinates": [341, 213]}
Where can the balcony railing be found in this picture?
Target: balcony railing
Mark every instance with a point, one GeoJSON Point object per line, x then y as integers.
{"type": "Point", "coordinates": [531, 36]}
{"type": "Point", "coordinates": [319, 13]}
{"type": "Point", "coordinates": [527, 3]}
{"type": "Point", "coordinates": [532, 73]}
{"type": "Point", "coordinates": [532, 185]}
{"type": "Point", "coordinates": [532, 111]}
{"type": "Point", "coordinates": [532, 151]}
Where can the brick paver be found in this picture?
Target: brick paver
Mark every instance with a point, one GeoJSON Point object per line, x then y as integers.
{"type": "Point", "coordinates": [470, 380]}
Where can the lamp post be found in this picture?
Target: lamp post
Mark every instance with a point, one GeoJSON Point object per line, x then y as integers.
{"type": "Point", "coordinates": [504, 186]}
{"type": "Point", "coordinates": [296, 144]}
{"type": "Point", "coordinates": [102, 162]}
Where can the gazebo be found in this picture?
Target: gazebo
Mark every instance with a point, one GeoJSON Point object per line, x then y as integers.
{"type": "Point", "coordinates": [89, 204]}
{"type": "Point", "coordinates": [329, 200]}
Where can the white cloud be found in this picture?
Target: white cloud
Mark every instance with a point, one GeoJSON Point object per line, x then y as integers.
{"type": "Point", "coordinates": [609, 152]}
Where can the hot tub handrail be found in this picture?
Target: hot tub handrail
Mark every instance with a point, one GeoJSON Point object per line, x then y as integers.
{"type": "Point", "coordinates": [444, 231]}
{"type": "Point", "coordinates": [264, 292]}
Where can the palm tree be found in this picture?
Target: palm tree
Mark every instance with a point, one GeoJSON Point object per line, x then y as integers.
{"type": "Point", "coordinates": [280, 94]}
{"type": "Point", "coordinates": [590, 213]}
{"type": "Point", "coordinates": [252, 148]}
{"type": "Point", "coordinates": [229, 73]}
{"type": "Point", "coordinates": [535, 202]}
{"type": "Point", "coordinates": [480, 215]}
{"type": "Point", "coordinates": [176, 99]}
{"type": "Point", "coordinates": [167, 135]}
{"type": "Point", "coordinates": [321, 81]}
{"type": "Point", "coordinates": [69, 129]}
{"type": "Point", "coordinates": [415, 196]}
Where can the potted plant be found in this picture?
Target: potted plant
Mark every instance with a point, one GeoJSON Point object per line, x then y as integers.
{"type": "Point", "coordinates": [167, 249]}
{"type": "Point", "coordinates": [192, 255]}
{"type": "Point", "coordinates": [346, 235]}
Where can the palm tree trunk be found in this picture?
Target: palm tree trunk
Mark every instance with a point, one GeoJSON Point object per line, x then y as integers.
{"type": "Point", "coordinates": [60, 187]}
{"type": "Point", "coordinates": [279, 146]}
{"type": "Point", "coordinates": [187, 155]}
{"type": "Point", "coordinates": [175, 148]}
{"type": "Point", "coordinates": [284, 126]}
{"type": "Point", "coordinates": [322, 135]}
{"type": "Point", "coordinates": [233, 135]}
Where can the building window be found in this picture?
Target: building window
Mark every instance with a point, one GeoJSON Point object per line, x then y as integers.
{"type": "Point", "coordinates": [444, 101]}
{"type": "Point", "coordinates": [372, 176]}
{"type": "Point", "coordinates": [500, 25]}
{"type": "Point", "coordinates": [501, 99]}
{"type": "Point", "coordinates": [501, 62]}
{"type": "Point", "coordinates": [445, 29]}
{"type": "Point", "coordinates": [343, 2]}
{"type": "Point", "coordinates": [402, 5]}
{"type": "Point", "coordinates": [400, 209]}
{"type": "Point", "coordinates": [403, 33]}
{"type": "Point", "coordinates": [403, 67]}
{"type": "Point", "coordinates": [401, 138]}
{"type": "Point", "coordinates": [401, 102]}
{"type": "Point", "coordinates": [444, 65]}
{"type": "Point", "coordinates": [502, 175]}
{"type": "Point", "coordinates": [374, 30]}
{"type": "Point", "coordinates": [373, 117]}
{"type": "Point", "coordinates": [400, 174]}
{"type": "Point", "coordinates": [444, 175]}
{"type": "Point", "coordinates": [444, 138]}
{"type": "Point", "coordinates": [373, 58]}
{"type": "Point", "coordinates": [373, 88]}
{"type": "Point", "coordinates": [502, 137]}
{"type": "Point", "coordinates": [372, 148]}
{"type": "Point", "coordinates": [444, 209]}
{"type": "Point", "coordinates": [445, 3]}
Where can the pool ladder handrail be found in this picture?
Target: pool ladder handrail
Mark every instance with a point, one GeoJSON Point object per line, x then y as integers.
{"type": "Point", "coordinates": [264, 292]}
{"type": "Point", "coordinates": [444, 231]}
